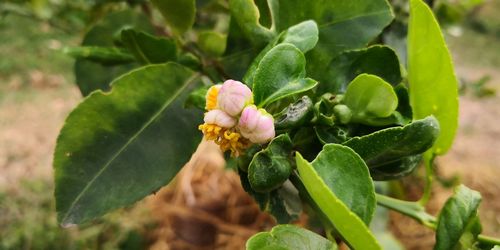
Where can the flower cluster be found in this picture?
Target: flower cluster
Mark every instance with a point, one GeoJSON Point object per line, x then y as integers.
{"type": "Point", "coordinates": [232, 121]}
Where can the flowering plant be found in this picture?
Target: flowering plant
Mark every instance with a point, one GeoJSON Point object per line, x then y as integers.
{"type": "Point", "coordinates": [308, 98]}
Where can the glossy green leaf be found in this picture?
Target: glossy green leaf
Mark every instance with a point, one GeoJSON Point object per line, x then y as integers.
{"type": "Point", "coordinates": [433, 85]}
{"type": "Point", "coordinates": [391, 144]}
{"type": "Point", "coordinates": [91, 75]}
{"type": "Point", "coordinates": [117, 147]}
{"type": "Point", "coordinates": [149, 49]}
{"type": "Point", "coordinates": [368, 97]}
{"type": "Point", "coordinates": [288, 237]}
{"type": "Point", "coordinates": [179, 14]}
{"type": "Point", "coordinates": [295, 115]}
{"type": "Point", "coordinates": [458, 223]}
{"type": "Point", "coordinates": [303, 35]}
{"type": "Point", "coordinates": [349, 64]}
{"type": "Point", "coordinates": [340, 167]}
{"type": "Point", "coordinates": [212, 43]}
{"type": "Point", "coordinates": [104, 55]}
{"type": "Point", "coordinates": [247, 15]}
{"type": "Point", "coordinates": [281, 73]}
{"type": "Point", "coordinates": [270, 168]}
{"type": "Point", "coordinates": [352, 229]}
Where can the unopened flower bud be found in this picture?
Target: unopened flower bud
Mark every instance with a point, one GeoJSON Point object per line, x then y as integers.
{"type": "Point", "coordinates": [219, 118]}
{"type": "Point", "coordinates": [233, 97]}
{"type": "Point", "coordinates": [256, 125]}
{"type": "Point", "coordinates": [211, 97]}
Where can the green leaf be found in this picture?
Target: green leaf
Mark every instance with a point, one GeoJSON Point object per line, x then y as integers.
{"type": "Point", "coordinates": [287, 237]}
{"type": "Point", "coordinates": [118, 147]}
{"type": "Point", "coordinates": [247, 15]}
{"type": "Point", "coordinates": [368, 97]}
{"type": "Point", "coordinates": [352, 229]}
{"type": "Point", "coordinates": [179, 14]}
{"type": "Point", "coordinates": [303, 35]}
{"type": "Point", "coordinates": [391, 144]}
{"type": "Point", "coordinates": [346, 175]}
{"type": "Point", "coordinates": [271, 167]}
{"type": "Point", "coordinates": [433, 85]}
{"type": "Point", "coordinates": [149, 49]}
{"type": "Point", "coordinates": [458, 226]}
{"type": "Point", "coordinates": [91, 75]}
{"type": "Point", "coordinates": [104, 55]}
{"type": "Point", "coordinates": [281, 73]}
{"type": "Point", "coordinates": [346, 66]}
{"type": "Point", "coordinates": [212, 43]}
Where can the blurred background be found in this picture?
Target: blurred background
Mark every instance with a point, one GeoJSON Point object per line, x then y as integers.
{"type": "Point", "coordinates": [37, 91]}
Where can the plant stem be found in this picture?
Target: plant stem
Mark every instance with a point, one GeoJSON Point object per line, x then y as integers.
{"type": "Point", "coordinates": [488, 240]}
{"type": "Point", "coordinates": [429, 177]}
{"type": "Point", "coordinates": [417, 212]}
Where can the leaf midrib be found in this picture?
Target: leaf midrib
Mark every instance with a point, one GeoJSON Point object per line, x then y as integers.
{"type": "Point", "coordinates": [118, 153]}
{"type": "Point", "coordinates": [375, 13]}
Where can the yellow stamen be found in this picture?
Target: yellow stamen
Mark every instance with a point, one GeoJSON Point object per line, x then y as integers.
{"type": "Point", "coordinates": [226, 139]}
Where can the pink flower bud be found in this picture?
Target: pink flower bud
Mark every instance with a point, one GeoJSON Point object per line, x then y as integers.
{"type": "Point", "coordinates": [256, 125]}
{"type": "Point", "coordinates": [233, 97]}
{"type": "Point", "coordinates": [219, 118]}
{"type": "Point", "coordinates": [211, 97]}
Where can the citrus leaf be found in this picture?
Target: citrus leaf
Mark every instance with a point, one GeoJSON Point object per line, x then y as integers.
{"type": "Point", "coordinates": [303, 35]}
{"type": "Point", "coordinates": [432, 82]}
{"type": "Point", "coordinates": [247, 15]}
{"type": "Point", "coordinates": [272, 166]}
{"type": "Point", "coordinates": [286, 237]}
{"type": "Point", "coordinates": [350, 227]}
{"type": "Point", "coordinates": [118, 147]}
{"type": "Point", "coordinates": [281, 73]}
{"type": "Point", "coordinates": [458, 220]}
{"type": "Point", "coordinates": [104, 55]}
{"type": "Point", "coordinates": [369, 97]}
{"type": "Point", "coordinates": [345, 173]}
{"type": "Point", "coordinates": [391, 144]}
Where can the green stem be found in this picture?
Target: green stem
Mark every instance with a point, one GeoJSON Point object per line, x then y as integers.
{"type": "Point", "coordinates": [429, 177]}
{"type": "Point", "coordinates": [417, 212]}
{"type": "Point", "coordinates": [488, 240]}
{"type": "Point", "coordinates": [408, 208]}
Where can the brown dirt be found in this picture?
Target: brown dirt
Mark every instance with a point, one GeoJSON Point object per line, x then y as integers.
{"type": "Point", "coordinates": [30, 119]}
